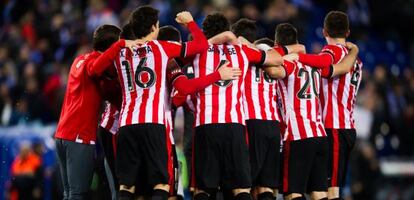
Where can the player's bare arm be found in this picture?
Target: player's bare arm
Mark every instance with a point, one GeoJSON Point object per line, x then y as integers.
{"type": "Point", "coordinates": [225, 37]}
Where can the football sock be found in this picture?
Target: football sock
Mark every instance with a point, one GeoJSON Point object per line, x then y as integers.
{"type": "Point", "coordinates": [201, 196]}
{"type": "Point", "coordinates": [159, 195]}
{"type": "Point", "coordinates": [227, 194]}
{"type": "Point", "coordinates": [243, 196]}
{"type": "Point", "coordinates": [266, 196]}
{"type": "Point", "coordinates": [125, 195]}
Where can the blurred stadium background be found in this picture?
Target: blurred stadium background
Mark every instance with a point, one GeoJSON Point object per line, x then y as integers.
{"type": "Point", "coordinates": [40, 38]}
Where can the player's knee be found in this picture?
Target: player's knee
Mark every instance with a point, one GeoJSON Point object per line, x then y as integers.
{"type": "Point", "coordinates": [241, 190]}
{"type": "Point", "coordinates": [164, 187]}
{"type": "Point", "coordinates": [295, 196]}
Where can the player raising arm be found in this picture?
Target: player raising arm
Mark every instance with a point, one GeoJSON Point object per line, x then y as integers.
{"type": "Point", "coordinates": [142, 145]}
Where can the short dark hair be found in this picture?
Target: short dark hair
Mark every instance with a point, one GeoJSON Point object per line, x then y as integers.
{"type": "Point", "coordinates": [142, 20]}
{"type": "Point", "coordinates": [336, 24]}
{"type": "Point", "coordinates": [286, 34]}
{"type": "Point", "coordinates": [245, 28]}
{"type": "Point", "coordinates": [127, 32]}
{"type": "Point", "coordinates": [104, 36]}
{"type": "Point", "coordinates": [265, 40]}
{"type": "Point", "coordinates": [169, 33]}
{"type": "Point", "coordinates": [214, 24]}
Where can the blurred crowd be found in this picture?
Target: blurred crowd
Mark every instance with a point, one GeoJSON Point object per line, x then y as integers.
{"type": "Point", "coordinates": [40, 38]}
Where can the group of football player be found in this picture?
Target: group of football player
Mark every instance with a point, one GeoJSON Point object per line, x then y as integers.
{"type": "Point", "coordinates": [268, 117]}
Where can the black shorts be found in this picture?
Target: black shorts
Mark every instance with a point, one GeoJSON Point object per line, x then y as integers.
{"type": "Point", "coordinates": [341, 142]}
{"type": "Point", "coordinates": [305, 165]}
{"type": "Point", "coordinates": [264, 145]}
{"type": "Point", "coordinates": [221, 157]}
{"type": "Point", "coordinates": [143, 157]}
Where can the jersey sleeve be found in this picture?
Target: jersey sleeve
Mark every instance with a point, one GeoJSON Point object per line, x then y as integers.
{"type": "Point", "coordinates": [173, 71]}
{"type": "Point", "coordinates": [178, 99]}
{"type": "Point", "coordinates": [318, 61]}
{"type": "Point", "coordinates": [189, 86]}
{"type": "Point", "coordinates": [327, 72]}
{"type": "Point", "coordinates": [289, 67]}
{"type": "Point", "coordinates": [334, 51]}
{"type": "Point", "coordinates": [254, 56]}
{"type": "Point", "coordinates": [105, 60]}
{"type": "Point", "coordinates": [282, 50]}
{"type": "Point", "coordinates": [197, 45]}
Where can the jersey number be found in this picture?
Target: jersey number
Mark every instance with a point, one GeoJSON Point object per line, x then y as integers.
{"type": "Point", "coordinates": [266, 77]}
{"type": "Point", "coordinates": [355, 76]}
{"type": "Point", "coordinates": [304, 92]}
{"type": "Point", "coordinates": [144, 76]}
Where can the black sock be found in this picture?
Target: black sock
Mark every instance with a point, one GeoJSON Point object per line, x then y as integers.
{"type": "Point", "coordinates": [201, 196]}
{"type": "Point", "coordinates": [158, 194]}
{"type": "Point", "coordinates": [299, 198]}
{"type": "Point", "coordinates": [125, 195]}
{"type": "Point", "coordinates": [243, 196]}
{"type": "Point", "coordinates": [227, 194]}
{"type": "Point", "coordinates": [266, 196]}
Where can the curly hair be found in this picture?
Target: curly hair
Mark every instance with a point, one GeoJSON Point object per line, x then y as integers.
{"type": "Point", "coordinates": [142, 20]}
{"type": "Point", "coordinates": [336, 24]}
{"type": "Point", "coordinates": [245, 28]}
{"type": "Point", "coordinates": [104, 36]}
{"type": "Point", "coordinates": [169, 33]}
{"type": "Point", "coordinates": [286, 34]}
{"type": "Point", "coordinates": [214, 24]}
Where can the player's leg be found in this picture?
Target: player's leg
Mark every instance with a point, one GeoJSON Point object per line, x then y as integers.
{"type": "Point", "coordinates": [206, 167]}
{"type": "Point", "coordinates": [61, 155]}
{"type": "Point", "coordinates": [341, 144]}
{"type": "Point", "coordinates": [236, 165]}
{"type": "Point", "coordinates": [80, 165]}
{"type": "Point", "coordinates": [297, 163]}
{"type": "Point", "coordinates": [128, 159]}
{"type": "Point", "coordinates": [268, 178]}
{"type": "Point", "coordinates": [317, 185]}
{"type": "Point", "coordinates": [106, 144]}
{"type": "Point", "coordinates": [158, 158]}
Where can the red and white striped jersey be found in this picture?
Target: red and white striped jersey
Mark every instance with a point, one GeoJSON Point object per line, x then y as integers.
{"type": "Point", "coordinates": [299, 93]}
{"type": "Point", "coordinates": [260, 99]}
{"type": "Point", "coordinates": [339, 93]}
{"type": "Point", "coordinates": [142, 75]}
{"type": "Point", "coordinates": [222, 102]}
{"type": "Point", "coordinates": [110, 118]}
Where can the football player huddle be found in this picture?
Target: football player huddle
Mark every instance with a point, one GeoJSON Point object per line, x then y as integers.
{"type": "Point", "coordinates": [268, 117]}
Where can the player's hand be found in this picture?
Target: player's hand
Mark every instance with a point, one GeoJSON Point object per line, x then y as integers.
{"type": "Point", "coordinates": [132, 44]}
{"type": "Point", "coordinates": [291, 57]}
{"type": "Point", "coordinates": [229, 73]}
{"type": "Point", "coordinates": [184, 17]}
{"type": "Point", "coordinates": [352, 47]}
{"type": "Point", "coordinates": [296, 48]}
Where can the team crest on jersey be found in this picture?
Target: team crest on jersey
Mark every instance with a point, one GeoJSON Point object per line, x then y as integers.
{"type": "Point", "coordinates": [145, 77]}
